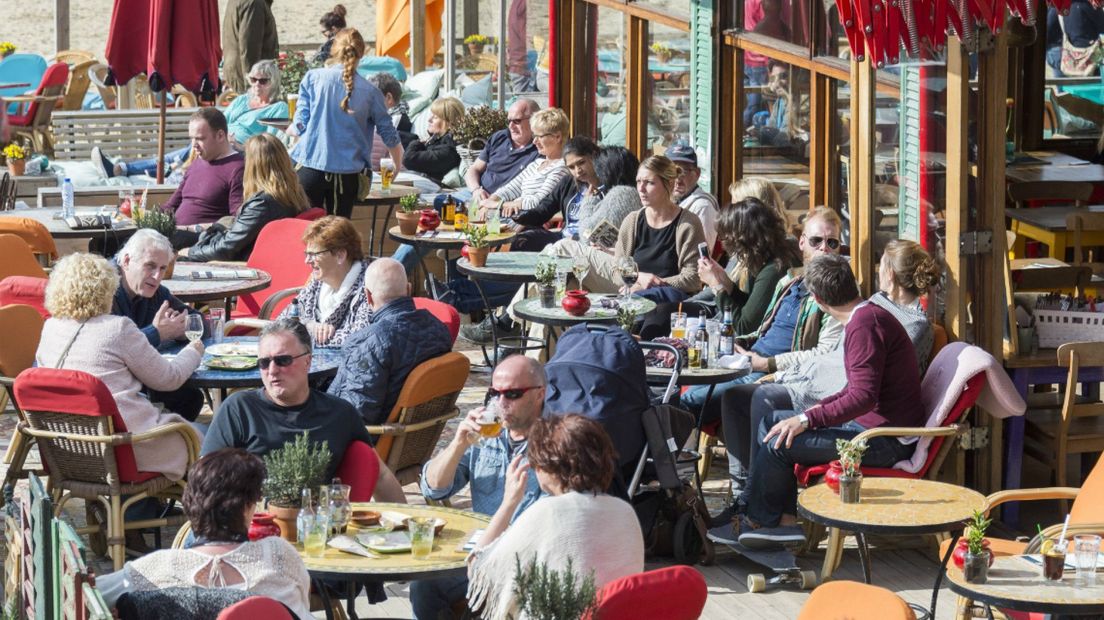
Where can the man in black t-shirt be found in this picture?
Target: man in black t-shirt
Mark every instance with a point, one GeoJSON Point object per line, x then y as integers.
{"type": "Point", "coordinates": [265, 419]}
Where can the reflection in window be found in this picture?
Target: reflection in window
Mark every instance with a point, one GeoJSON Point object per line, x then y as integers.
{"type": "Point", "coordinates": [776, 138]}
{"type": "Point", "coordinates": [669, 77]}
{"type": "Point", "coordinates": [786, 20]}
{"type": "Point", "coordinates": [612, 58]}
{"type": "Point", "coordinates": [1073, 98]}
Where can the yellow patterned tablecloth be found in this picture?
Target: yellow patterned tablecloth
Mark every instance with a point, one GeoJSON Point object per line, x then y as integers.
{"type": "Point", "coordinates": [447, 553]}
{"type": "Point", "coordinates": [893, 505]}
{"type": "Point", "coordinates": [1018, 584]}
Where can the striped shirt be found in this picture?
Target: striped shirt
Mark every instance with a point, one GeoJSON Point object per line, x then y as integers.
{"type": "Point", "coordinates": [534, 182]}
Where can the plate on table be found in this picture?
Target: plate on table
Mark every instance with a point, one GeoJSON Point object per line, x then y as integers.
{"type": "Point", "coordinates": [233, 363]}
{"type": "Point", "coordinates": [392, 542]}
{"type": "Point", "coordinates": [234, 349]}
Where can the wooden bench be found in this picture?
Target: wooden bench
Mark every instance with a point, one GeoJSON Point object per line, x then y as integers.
{"type": "Point", "coordinates": [130, 134]}
{"type": "Point", "coordinates": [104, 195]}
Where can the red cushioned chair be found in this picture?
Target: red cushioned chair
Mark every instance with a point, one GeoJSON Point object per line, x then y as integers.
{"type": "Point", "coordinates": [26, 291]}
{"type": "Point", "coordinates": [279, 251]}
{"type": "Point", "coordinates": [359, 469]}
{"type": "Point", "coordinates": [256, 607]}
{"type": "Point", "coordinates": [85, 445]}
{"type": "Point", "coordinates": [33, 116]}
{"type": "Point", "coordinates": [311, 214]}
{"type": "Point", "coordinates": [672, 593]}
{"type": "Point", "coordinates": [444, 313]}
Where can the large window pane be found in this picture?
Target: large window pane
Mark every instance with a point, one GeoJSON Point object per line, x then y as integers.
{"type": "Point", "coordinates": [612, 59]}
{"type": "Point", "coordinates": [1073, 104]}
{"type": "Point", "coordinates": [786, 20]}
{"type": "Point", "coordinates": [776, 138]}
{"type": "Point", "coordinates": [669, 77]}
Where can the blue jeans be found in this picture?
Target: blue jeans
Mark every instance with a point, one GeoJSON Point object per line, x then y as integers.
{"type": "Point", "coordinates": [772, 487]}
{"type": "Point", "coordinates": [665, 294]}
{"type": "Point", "coordinates": [743, 409]}
{"type": "Point", "coordinates": [693, 399]}
{"type": "Point", "coordinates": [149, 166]}
{"type": "Point", "coordinates": [409, 256]}
{"type": "Point", "coordinates": [430, 597]}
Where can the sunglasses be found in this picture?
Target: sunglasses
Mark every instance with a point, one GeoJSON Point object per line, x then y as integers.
{"type": "Point", "coordinates": [259, 80]}
{"type": "Point", "coordinates": [283, 361]}
{"type": "Point", "coordinates": [833, 244]}
{"type": "Point", "coordinates": [511, 394]}
{"type": "Point", "coordinates": [517, 121]}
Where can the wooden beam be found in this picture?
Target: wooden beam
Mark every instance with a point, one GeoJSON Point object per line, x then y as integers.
{"type": "Point", "coordinates": [958, 186]}
{"type": "Point", "coordinates": [638, 98]}
{"type": "Point", "coordinates": [730, 129]}
{"type": "Point", "coordinates": [470, 18]}
{"type": "Point", "coordinates": [61, 25]}
{"type": "Point", "coordinates": [667, 17]}
{"type": "Point", "coordinates": [822, 147]}
{"type": "Point", "coordinates": [861, 199]}
{"type": "Point", "coordinates": [1029, 99]}
{"type": "Point", "coordinates": [417, 35]}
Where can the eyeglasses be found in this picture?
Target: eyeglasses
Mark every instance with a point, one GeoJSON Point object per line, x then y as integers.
{"type": "Point", "coordinates": [833, 244]}
{"type": "Point", "coordinates": [542, 136]}
{"type": "Point", "coordinates": [259, 80]}
{"type": "Point", "coordinates": [510, 394]}
{"type": "Point", "coordinates": [283, 361]}
{"type": "Point", "coordinates": [517, 121]}
{"type": "Point", "coordinates": [313, 255]}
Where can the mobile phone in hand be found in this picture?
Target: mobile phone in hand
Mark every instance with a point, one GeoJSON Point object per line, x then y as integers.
{"type": "Point", "coordinates": [703, 250]}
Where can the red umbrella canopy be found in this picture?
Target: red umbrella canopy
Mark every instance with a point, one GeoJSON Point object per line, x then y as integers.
{"type": "Point", "coordinates": [171, 41]}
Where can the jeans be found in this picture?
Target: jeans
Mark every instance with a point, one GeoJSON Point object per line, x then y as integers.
{"type": "Point", "coordinates": [409, 256]}
{"type": "Point", "coordinates": [743, 408]}
{"type": "Point", "coordinates": [466, 298]}
{"type": "Point", "coordinates": [693, 399]}
{"type": "Point", "coordinates": [665, 294]}
{"type": "Point", "coordinates": [772, 487]}
{"type": "Point", "coordinates": [149, 166]}
{"type": "Point", "coordinates": [431, 597]}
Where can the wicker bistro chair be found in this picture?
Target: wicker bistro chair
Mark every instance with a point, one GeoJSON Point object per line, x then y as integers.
{"type": "Point", "coordinates": [88, 451]}
{"type": "Point", "coordinates": [427, 401]}
{"type": "Point", "coordinates": [21, 327]}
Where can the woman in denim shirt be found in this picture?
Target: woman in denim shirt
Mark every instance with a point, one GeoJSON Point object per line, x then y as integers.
{"type": "Point", "coordinates": [336, 116]}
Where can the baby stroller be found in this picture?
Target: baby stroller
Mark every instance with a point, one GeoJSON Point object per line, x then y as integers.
{"type": "Point", "coordinates": [600, 373]}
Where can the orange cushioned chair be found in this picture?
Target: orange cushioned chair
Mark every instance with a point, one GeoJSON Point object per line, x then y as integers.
{"type": "Point", "coordinates": [672, 593]}
{"type": "Point", "coordinates": [21, 327]}
{"type": "Point", "coordinates": [34, 233]}
{"type": "Point", "coordinates": [445, 313]}
{"type": "Point", "coordinates": [24, 290]}
{"type": "Point", "coordinates": [850, 600]}
{"type": "Point", "coordinates": [17, 259]}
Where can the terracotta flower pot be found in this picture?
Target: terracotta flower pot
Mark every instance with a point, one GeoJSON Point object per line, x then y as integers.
{"type": "Point", "coordinates": [478, 256]}
{"type": "Point", "coordinates": [475, 48]}
{"type": "Point", "coordinates": [263, 526]}
{"type": "Point", "coordinates": [576, 302]}
{"type": "Point", "coordinates": [285, 517]}
{"type": "Point", "coordinates": [17, 167]}
{"type": "Point", "coordinates": [408, 222]}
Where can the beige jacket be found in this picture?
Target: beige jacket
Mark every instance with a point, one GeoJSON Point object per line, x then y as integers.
{"type": "Point", "coordinates": [687, 237]}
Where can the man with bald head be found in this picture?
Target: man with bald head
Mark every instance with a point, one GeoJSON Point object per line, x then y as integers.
{"type": "Point", "coordinates": [378, 358]}
{"type": "Point", "coordinates": [507, 152]}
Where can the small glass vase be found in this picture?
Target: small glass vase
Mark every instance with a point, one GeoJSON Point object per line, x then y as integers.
{"type": "Point", "coordinates": [850, 488]}
{"type": "Point", "coordinates": [548, 296]}
{"type": "Point", "coordinates": [975, 567]}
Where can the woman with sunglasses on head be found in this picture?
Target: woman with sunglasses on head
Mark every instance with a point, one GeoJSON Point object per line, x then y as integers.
{"type": "Point", "coordinates": [273, 193]}
{"type": "Point", "coordinates": [336, 117]}
{"type": "Point", "coordinates": [264, 100]}
{"type": "Point", "coordinates": [573, 459]}
{"type": "Point", "coordinates": [332, 304]}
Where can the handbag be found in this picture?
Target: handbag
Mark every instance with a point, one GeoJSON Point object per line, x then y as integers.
{"type": "Point", "coordinates": [1078, 61]}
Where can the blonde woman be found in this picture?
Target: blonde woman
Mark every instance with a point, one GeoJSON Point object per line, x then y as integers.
{"type": "Point", "coordinates": [274, 193]}
{"type": "Point", "coordinates": [761, 188]}
{"type": "Point", "coordinates": [540, 177]}
{"type": "Point", "coordinates": [437, 156]}
{"type": "Point", "coordinates": [337, 114]}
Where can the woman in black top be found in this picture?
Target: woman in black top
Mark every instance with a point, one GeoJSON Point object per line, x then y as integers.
{"type": "Point", "coordinates": [437, 156]}
{"type": "Point", "coordinates": [274, 193]}
{"type": "Point", "coordinates": [331, 22]}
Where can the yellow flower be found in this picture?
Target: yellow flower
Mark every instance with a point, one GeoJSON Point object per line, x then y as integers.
{"type": "Point", "coordinates": [14, 152]}
{"type": "Point", "coordinates": [6, 47]}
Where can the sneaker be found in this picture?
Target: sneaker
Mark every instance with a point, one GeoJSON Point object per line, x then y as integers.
{"type": "Point", "coordinates": [772, 537]}
{"type": "Point", "coordinates": [724, 517]}
{"type": "Point", "coordinates": [480, 333]}
{"type": "Point", "coordinates": [102, 162]}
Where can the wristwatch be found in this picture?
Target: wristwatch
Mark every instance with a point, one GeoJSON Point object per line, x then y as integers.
{"type": "Point", "coordinates": [804, 419]}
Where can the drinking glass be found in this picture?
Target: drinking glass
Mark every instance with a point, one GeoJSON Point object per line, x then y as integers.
{"type": "Point", "coordinates": [678, 325]}
{"type": "Point", "coordinates": [490, 422]}
{"type": "Point", "coordinates": [713, 328]}
{"type": "Point", "coordinates": [387, 173]}
{"type": "Point", "coordinates": [629, 272]}
{"type": "Point", "coordinates": [421, 536]}
{"type": "Point", "coordinates": [1054, 558]}
{"type": "Point", "coordinates": [292, 100]}
{"type": "Point", "coordinates": [580, 266]}
{"type": "Point", "coordinates": [561, 282]}
{"type": "Point", "coordinates": [318, 529]}
{"type": "Point", "coordinates": [1086, 547]}
{"type": "Point", "coordinates": [217, 319]}
{"type": "Point", "coordinates": [340, 508]}
{"type": "Point", "coordinates": [193, 327]}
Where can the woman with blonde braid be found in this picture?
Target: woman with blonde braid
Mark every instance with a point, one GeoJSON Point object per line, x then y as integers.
{"type": "Point", "coordinates": [336, 117]}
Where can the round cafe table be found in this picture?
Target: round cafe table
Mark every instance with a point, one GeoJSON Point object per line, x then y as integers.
{"type": "Point", "coordinates": [893, 506]}
{"type": "Point", "coordinates": [446, 560]}
{"type": "Point", "coordinates": [368, 210]}
{"type": "Point", "coordinates": [50, 217]}
{"type": "Point", "coordinates": [185, 286]}
{"type": "Point", "coordinates": [445, 238]}
{"type": "Point", "coordinates": [1017, 584]}
{"type": "Point", "coordinates": [324, 363]}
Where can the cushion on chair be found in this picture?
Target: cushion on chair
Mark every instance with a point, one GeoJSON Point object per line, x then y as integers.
{"type": "Point", "coordinates": [445, 313]}
{"type": "Point", "coordinates": [855, 601]}
{"type": "Point", "coordinates": [672, 593]}
{"type": "Point", "coordinates": [77, 393]}
{"type": "Point", "coordinates": [1089, 504]}
{"type": "Point", "coordinates": [256, 607]}
{"type": "Point", "coordinates": [25, 290]}
{"type": "Point", "coordinates": [278, 251]}
{"type": "Point", "coordinates": [359, 469]}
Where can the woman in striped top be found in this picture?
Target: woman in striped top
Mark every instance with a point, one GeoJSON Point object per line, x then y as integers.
{"type": "Point", "coordinates": [539, 178]}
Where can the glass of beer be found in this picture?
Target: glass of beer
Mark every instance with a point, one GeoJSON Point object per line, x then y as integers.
{"type": "Point", "coordinates": [678, 325]}
{"type": "Point", "coordinates": [693, 354]}
{"type": "Point", "coordinates": [387, 173]}
{"type": "Point", "coordinates": [490, 422]}
{"type": "Point", "coordinates": [292, 100]}
{"type": "Point", "coordinates": [1054, 558]}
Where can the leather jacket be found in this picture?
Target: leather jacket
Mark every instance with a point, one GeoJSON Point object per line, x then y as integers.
{"type": "Point", "coordinates": [236, 242]}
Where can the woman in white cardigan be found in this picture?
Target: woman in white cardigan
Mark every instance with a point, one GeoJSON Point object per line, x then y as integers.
{"type": "Point", "coordinates": [82, 334]}
{"type": "Point", "coordinates": [573, 459]}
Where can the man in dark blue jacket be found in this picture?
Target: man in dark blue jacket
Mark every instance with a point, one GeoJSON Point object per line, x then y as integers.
{"type": "Point", "coordinates": [143, 299]}
{"type": "Point", "coordinates": [378, 358]}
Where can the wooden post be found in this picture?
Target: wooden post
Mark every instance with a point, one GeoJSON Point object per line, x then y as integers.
{"type": "Point", "coordinates": [161, 137]}
{"type": "Point", "coordinates": [958, 184]}
{"type": "Point", "coordinates": [861, 199]}
{"type": "Point", "coordinates": [503, 7]}
{"type": "Point", "coordinates": [61, 25]}
{"type": "Point", "coordinates": [638, 98]}
{"type": "Point", "coordinates": [417, 36]}
{"type": "Point", "coordinates": [450, 44]}
{"type": "Point", "coordinates": [471, 17]}
{"type": "Point", "coordinates": [822, 132]}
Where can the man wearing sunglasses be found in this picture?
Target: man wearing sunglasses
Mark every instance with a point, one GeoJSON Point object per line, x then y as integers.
{"type": "Point", "coordinates": [507, 153]}
{"type": "Point", "coordinates": [517, 392]}
{"type": "Point", "coordinates": [378, 358]}
{"type": "Point", "coordinates": [266, 418]}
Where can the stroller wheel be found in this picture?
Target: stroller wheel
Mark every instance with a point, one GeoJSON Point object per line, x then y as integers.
{"type": "Point", "coordinates": [687, 541]}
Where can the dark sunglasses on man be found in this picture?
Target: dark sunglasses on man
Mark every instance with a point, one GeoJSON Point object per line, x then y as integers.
{"type": "Point", "coordinates": [833, 244]}
{"type": "Point", "coordinates": [511, 394]}
{"type": "Point", "coordinates": [283, 361]}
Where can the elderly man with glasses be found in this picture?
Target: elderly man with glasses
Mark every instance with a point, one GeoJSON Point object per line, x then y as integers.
{"type": "Point", "coordinates": [506, 154]}
{"type": "Point", "coordinates": [516, 398]}
{"type": "Point", "coordinates": [266, 418]}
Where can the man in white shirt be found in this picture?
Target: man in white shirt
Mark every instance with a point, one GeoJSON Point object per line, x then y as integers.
{"type": "Point", "coordinates": [691, 197]}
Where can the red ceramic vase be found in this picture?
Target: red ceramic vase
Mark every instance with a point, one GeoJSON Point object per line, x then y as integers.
{"type": "Point", "coordinates": [832, 476]}
{"type": "Point", "coordinates": [963, 546]}
{"type": "Point", "coordinates": [576, 302]}
{"type": "Point", "coordinates": [430, 220]}
{"type": "Point", "coordinates": [263, 526]}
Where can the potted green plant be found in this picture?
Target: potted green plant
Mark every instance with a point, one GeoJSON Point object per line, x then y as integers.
{"type": "Point", "coordinates": [16, 156]}
{"type": "Point", "coordinates": [473, 131]}
{"type": "Point", "coordinates": [408, 214]}
{"type": "Point", "coordinates": [544, 593]}
{"type": "Point", "coordinates": [298, 465]}
{"type": "Point", "coordinates": [626, 317]}
{"type": "Point", "coordinates": [662, 51]}
{"type": "Point", "coordinates": [476, 43]}
{"type": "Point", "coordinates": [850, 481]}
{"type": "Point", "coordinates": [545, 274]}
{"type": "Point", "coordinates": [477, 245]}
{"type": "Point", "coordinates": [975, 565]}
{"type": "Point", "coordinates": [293, 66]}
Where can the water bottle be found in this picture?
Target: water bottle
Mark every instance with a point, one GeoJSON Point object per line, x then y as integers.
{"type": "Point", "coordinates": [67, 198]}
{"type": "Point", "coordinates": [305, 521]}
